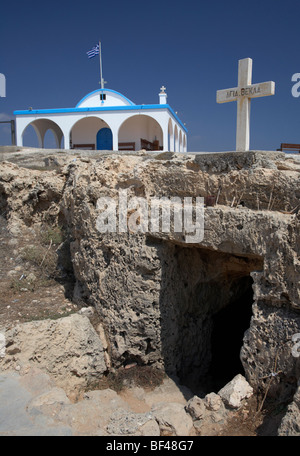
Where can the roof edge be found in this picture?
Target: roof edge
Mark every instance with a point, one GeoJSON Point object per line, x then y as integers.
{"type": "Point", "coordinates": [98, 109]}
{"type": "Point", "coordinates": [106, 90]}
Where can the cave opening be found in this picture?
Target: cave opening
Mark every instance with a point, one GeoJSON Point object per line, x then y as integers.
{"type": "Point", "coordinates": [213, 308]}
{"type": "Point", "coordinates": [223, 330]}
{"type": "Point", "coordinates": [228, 328]}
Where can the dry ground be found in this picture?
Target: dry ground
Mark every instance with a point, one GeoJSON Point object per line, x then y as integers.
{"type": "Point", "coordinates": [30, 289]}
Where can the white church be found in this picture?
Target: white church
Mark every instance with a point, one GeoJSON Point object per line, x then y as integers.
{"type": "Point", "coordinates": [107, 120]}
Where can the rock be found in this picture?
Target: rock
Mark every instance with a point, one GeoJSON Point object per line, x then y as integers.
{"type": "Point", "coordinates": [86, 311]}
{"type": "Point", "coordinates": [150, 429]}
{"type": "Point", "coordinates": [130, 278]}
{"type": "Point", "coordinates": [196, 408]}
{"type": "Point", "coordinates": [236, 391]}
{"type": "Point", "coordinates": [36, 380]}
{"type": "Point", "coordinates": [172, 419]}
{"type": "Point", "coordinates": [209, 414]}
{"type": "Point", "coordinates": [68, 349]}
{"type": "Point", "coordinates": [20, 418]}
{"type": "Point", "coordinates": [213, 402]}
{"type": "Point", "coordinates": [11, 273]}
{"type": "Point", "coordinates": [91, 416]}
{"type": "Point", "coordinates": [290, 424]}
{"type": "Point", "coordinates": [50, 401]}
{"type": "Point", "coordinates": [101, 332]}
{"type": "Point", "coordinates": [31, 278]}
{"type": "Point", "coordinates": [269, 326]}
{"type": "Point", "coordinates": [169, 391]}
{"type": "Point", "coordinates": [123, 422]}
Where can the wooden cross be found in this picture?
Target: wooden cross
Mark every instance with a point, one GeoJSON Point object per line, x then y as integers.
{"type": "Point", "coordinates": [243, 94]}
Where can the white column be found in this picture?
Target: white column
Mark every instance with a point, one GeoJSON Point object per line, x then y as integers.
{"type": "Point", "coordinates": [66, 136]}
{"type": "Point", "coordinates": [184, 143]}
{"type": "Point", "coordinates": [19, 136]}
{"type": "Point", "coordinates": [165, 137]}
{"type": "Point", "coordinates": [115, 139]}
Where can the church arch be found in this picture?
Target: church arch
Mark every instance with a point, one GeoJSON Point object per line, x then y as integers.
{"type": "Point", "coordinates": [140, 131]}
{"type": "Point", "coordinates": [41, 127]}
{"type": "Point", "coordinates": [83, 133]}
{"type": "Point", "coordinates": [31, 137]}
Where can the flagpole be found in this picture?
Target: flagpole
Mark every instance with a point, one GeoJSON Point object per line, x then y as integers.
{"type": "Point", "coordinates": [100, 58]}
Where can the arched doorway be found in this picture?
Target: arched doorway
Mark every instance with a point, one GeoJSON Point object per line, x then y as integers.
{"type": "Point", "coordinates": [140, 132]}
{"type": "Point", "coordinates": [36, 134]}
{"type": "Point", "coordinates": [104, 139]}
{"type": "Point", "coordinates": [84, 133]}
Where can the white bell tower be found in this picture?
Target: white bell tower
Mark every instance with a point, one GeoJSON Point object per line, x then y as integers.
{"type": "Point", "coordinates": [163, 96]}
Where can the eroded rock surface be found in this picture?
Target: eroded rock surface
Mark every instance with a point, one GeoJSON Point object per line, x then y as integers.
{"type": "Point", "coordinates": [290, 424]}
{"type": "Point", "coordinates": [69, 349]}
{"type": "Point", "coordinates": [156, 295]}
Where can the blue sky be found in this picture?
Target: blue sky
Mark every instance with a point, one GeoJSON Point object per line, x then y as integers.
{"type": "Point", "coordinates": [191, 47]}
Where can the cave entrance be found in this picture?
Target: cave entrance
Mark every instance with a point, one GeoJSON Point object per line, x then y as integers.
{"type": "Point", "coordinates": [228, 328]}
{"type": "Point", "coordinates": [212, 309]}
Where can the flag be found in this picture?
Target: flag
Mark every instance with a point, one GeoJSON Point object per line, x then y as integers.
{"type": "Point", "coordinates": [94, 51]}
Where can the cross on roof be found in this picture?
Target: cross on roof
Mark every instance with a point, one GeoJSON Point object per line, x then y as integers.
{"type": "Point", "coordinates": [163, 88]}
{"type": "Point", "coordinates": [243, 94]}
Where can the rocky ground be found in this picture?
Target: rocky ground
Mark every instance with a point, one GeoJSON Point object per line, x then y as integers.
{"type": "Point", "coordinates": [44, 315]}
{"type": "Point", "coordinates": [32, 403]}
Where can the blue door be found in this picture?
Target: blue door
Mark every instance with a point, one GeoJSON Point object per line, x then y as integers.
{"type": "Point", "coordinates": [104, 139]}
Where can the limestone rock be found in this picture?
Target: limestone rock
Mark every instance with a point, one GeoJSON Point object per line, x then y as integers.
{"type": "Point", "coordinates": [68, 349]}
{"type": "Point", "coordinates": [209, 414]}
{"type": "Point", "coordinates": [265, 341]}
{"type": "Point", "coordinates": [86, 311]}
{"type": "Point", "coordinates": [172, 419]}
{"type": "Point", "coordinates": [49, 403]}
{"type": "Point", "coordinates": [196, 408]}
{"type": "Point", "coordinates": [213, 402]}
{"type": "Point", "coordinates": [252, 234]}
{"type": "Point", "coordinates": [19, 419]}
{"type": "Point", "coordinates": [123, 422]}
{"type": "Point", "coordinates": [290, 424]}
{"type": "Point", "coordinates": [236, 391]}
{"type": "Point", "coordinates": [169, 391]}
{"type": "Point", "coordinates": [36, 381]}
{"type": "Point", "coordinates": [150, 429]}
{"type": "Point", "coordinates": [91, 415]}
